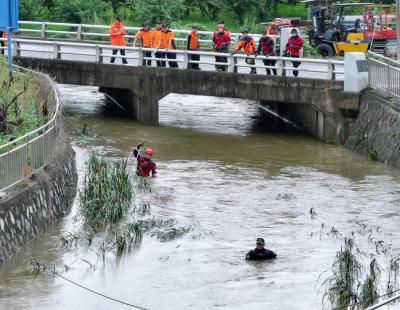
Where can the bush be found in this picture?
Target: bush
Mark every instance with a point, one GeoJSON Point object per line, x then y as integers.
{"type": "Point", "coordinates": [153, 10]}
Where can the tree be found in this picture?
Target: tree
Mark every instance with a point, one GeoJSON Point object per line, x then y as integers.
{"type": "Point", "coordinates": [240, 7]}
{"type": "Point", "coordinates": [80, 11]}
{"type": "Point", "coordinates": [32, 10]}
{"type": "Point", "coordinates": [153, 10]}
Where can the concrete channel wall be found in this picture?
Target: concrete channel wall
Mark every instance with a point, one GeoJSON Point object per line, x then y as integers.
{"type": "Point", "coordinates": [28, 208]}
{"type": "Point", "coordinates": [376, 132]}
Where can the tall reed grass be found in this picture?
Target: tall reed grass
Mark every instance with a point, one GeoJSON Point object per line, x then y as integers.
{"type": "Point", "coordinates": [107, 193]}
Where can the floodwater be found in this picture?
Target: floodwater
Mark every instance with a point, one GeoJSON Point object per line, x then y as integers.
{"type": "Point", "coordinates": [231, 182]}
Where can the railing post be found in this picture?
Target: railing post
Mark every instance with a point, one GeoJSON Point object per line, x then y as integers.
{"type": "Point", "coordinates": [43, 33]}
{"type": "Point", "coordinates": [140, 51]}
{"type": "Point", "coordinates": [99, 54]}
{"type": "Point", "coordinates": [232, 64]}
{"type": "Point", "coordinates": [16, 49]}
{"type": "Point", "coordinates": [186, 60]}
{"type": "Point", "coordinates": [57, 50]}
{"type": "Point", "coordinates": [281, 64]}
{"type": "Point", "coordinates": [79, 32]}
{"type": "Point", "coordinates": [330, 70]}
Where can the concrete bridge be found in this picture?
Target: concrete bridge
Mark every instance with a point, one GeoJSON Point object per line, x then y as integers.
{"type": "Point", "coordinates": [315, 100]}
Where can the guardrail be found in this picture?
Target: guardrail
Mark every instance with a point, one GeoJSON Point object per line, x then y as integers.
{"type": "Point", "coordinates": [384, 303]}
{"type": "Point", "coordinates": [33, 149]}
{"type": "Point", "coordinates": [384, 73]}
{"type": "Point", "coordinates": [89, 32]}
{"type": "Point", "coordinates": [318, 68]}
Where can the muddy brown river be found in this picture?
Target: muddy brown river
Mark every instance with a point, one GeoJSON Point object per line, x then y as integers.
{"type": "Point", "coordinates": [231, 182]}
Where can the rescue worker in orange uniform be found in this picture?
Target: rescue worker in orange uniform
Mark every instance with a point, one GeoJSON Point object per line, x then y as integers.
{"type": "Point", "coordinates": [145, 165]}
{"type": "Point", "coordinates": [156, 43]}
{"type": "Point", "coordinates": [193, 45]}
{"type": "Point", "coordinates": [3, 43]}
{"type": "Point", "coordinates": [145, 36]}
{"type": "Point", "coordinates": [249, 46]}
{"type": "Point", "coordinates": [117, 33]}
{"type": "Point", "coordinates": [168, 43]}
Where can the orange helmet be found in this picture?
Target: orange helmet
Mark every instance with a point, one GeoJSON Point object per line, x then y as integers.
{"type": "Point", "coordinates": [149, 152]}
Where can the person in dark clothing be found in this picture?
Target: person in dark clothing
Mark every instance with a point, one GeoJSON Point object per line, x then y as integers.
{"type": "Point", "coordinates": [260, 252]}
{"type": "Point", "coordinates": [293, 48]}
{"type": "Point", "coordinates": [145, 165]}
{"type": "Point", "coordinates": [266, 46]}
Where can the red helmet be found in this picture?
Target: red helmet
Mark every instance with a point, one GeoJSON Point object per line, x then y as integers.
{"type": "Point", "coordinates": [149, 152]}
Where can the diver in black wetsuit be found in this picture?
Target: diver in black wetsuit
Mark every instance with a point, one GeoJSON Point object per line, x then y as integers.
{"type": "Point", "coordinates": [260, 252]}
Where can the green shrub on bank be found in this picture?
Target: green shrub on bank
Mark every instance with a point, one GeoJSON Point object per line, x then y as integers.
{"type": "Point", "coordinates": [21, 111]}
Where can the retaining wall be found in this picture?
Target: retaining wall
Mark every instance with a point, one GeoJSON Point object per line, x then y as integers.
{"type": "Point", "coordinates": [376, 132]}
{"type": "Point", "coordinates": [27, 209]}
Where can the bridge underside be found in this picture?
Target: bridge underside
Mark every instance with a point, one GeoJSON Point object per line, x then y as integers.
{"type": "Point", "coordinates": [321, 105]}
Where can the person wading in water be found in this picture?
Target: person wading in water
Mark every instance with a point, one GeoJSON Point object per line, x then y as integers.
{"type": "Point", "coordinates": [260, 252]}
{"type": "Point", "coordinates": [145, 165]}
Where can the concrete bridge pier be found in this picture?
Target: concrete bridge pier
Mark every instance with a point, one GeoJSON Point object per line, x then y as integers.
{"type": "Point", "coordinates": [137, 104]}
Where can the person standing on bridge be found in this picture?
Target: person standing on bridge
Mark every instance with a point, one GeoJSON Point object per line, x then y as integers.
{"type": "Point", "coordinates": [293, 47]}
{"type": "Point", "coordinates": [117, 33]}
{"type": "Point", "coordinates": [3, 35]}
{"type": "Point", "coordinates": [249, 46]}
{"type": "Point", "coordinates": [193, 44]}
{"type": "Point", "coordinates": [168, 43]}
{"type": "Point", "coordinates": [266, 45]}
{"type": "Point", "coordinates": [156, 43]}
{"type": "Point", "coordinates": [145, 36]}
{"type": "Point", "coordinates": [145, 166]}
{"type": "Point", "coordinates": [221, 43]}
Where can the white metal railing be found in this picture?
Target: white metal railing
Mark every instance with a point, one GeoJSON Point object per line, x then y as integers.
{"type": "Point", "coordinates": [89, 32]}
{"type": "Point", "coordinates": [34, 148]}
{"type": "Point", "coordinates": [315, 68]}
{"type": "Point", "coordinates": [384, 303]}
{"type": "Point", "coordinates": [384, 73]}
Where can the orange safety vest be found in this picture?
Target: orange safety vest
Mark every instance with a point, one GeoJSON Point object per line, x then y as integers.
{"type": "Point", "coordinates": [156, 38]}
{"type": "Point", "coordinates": [168, 40]}
{"type": "Point", "coordinates": [5, 43]}
{"type": "Point", "coordinates": [193, 41]}
{"type": "Point", "coordinates": [145, 36]}
{"type": "Point", "coordinates": [117, 33]}
{"type": "Point", "coordinates": [249, 47]}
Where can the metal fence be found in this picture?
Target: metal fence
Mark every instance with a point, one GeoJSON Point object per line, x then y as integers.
{"type": "Point", "coordinates": [89, 32]}
{"type": "Point", "coordinates": [384, 73]}
{"type": "Point", "coordinates": [393, 301]}
{"type": "Point", "coordinates": [312, 68]}
{"type": "Point", "coordinates": [33, 150]}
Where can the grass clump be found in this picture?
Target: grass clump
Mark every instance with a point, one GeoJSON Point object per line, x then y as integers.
{"type": "Point", "coordinates": [343, 284]}
{"type": "Point", "coordinates": [369, 289]}
{"type": "Point", "coordinates": [107, 192]}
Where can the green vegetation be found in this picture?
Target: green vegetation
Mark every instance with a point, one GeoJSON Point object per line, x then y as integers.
{"type": "Point", "coordinates": [342, 285]}
{"type": "Point", "coordinates": [107, 193]}
{"type": "Point", "coordinates": [178, 13]}
{"type": "Point", "coordinates": [360, 276]}
{"type": "Point", "coordinates": [21, 111]}
{"type": "Point", "coordinates": [111, 220]}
